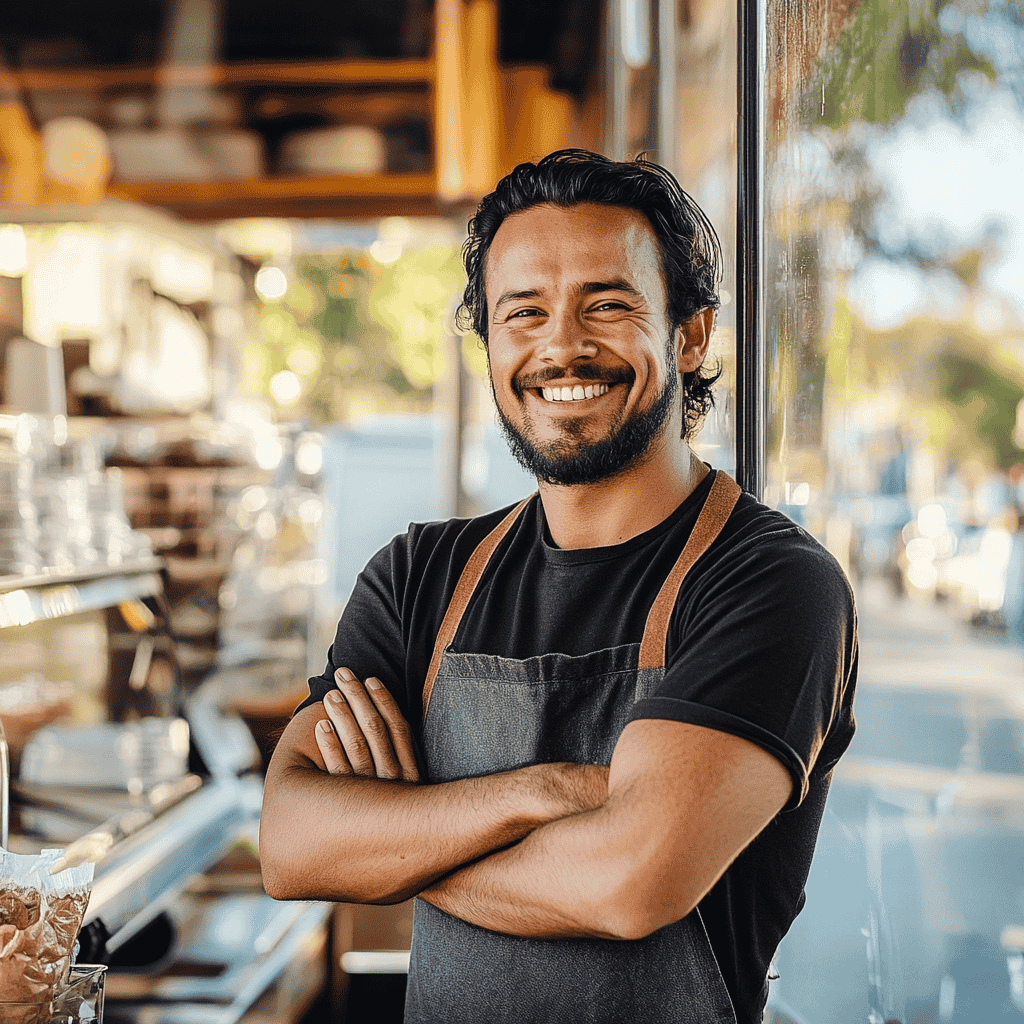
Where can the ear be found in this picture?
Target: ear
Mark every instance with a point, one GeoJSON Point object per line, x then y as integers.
{"type": "Point", "coordinates": [693, 338]}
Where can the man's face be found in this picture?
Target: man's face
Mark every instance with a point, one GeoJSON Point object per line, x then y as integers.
{"type": "Point", "coordinates": [582, 358]}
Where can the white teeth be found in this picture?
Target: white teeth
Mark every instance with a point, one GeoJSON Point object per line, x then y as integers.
{"type": "Point", "coordinates": [577, 393]}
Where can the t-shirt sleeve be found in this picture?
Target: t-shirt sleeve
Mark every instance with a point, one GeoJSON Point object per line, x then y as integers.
{"type": "Point", "coordinates": [764, 646]}
{"type": "Point", "coordinates": [370, 639]}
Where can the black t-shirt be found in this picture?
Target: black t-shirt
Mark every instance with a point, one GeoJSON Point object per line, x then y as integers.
{"type": "Point", "coordinates": [762, 644]}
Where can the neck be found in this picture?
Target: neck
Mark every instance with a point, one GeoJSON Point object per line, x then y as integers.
{"type": "Point", "coordinates": [614, 510]}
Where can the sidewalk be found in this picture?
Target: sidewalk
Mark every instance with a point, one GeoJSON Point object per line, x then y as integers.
{"type": "Point", "coordinates": [908, 643]}
{"type": "Point", "coordinates": [939, 705]}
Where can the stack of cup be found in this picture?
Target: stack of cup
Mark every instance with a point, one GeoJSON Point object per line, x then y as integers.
{"type": "Point", "coordinates": [65, 532]}
{"type": "Point", "coordinates": [19, 527]}
{"type": "Point", "coordinates": [113, 537]}
{"type": "Point", "coordinates": [60, 509]}
{"type": "Point", "coordinates": [63, 465]}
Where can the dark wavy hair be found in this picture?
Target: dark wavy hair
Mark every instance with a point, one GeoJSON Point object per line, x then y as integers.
{"type": "Point", "coordinates": [691, 255]}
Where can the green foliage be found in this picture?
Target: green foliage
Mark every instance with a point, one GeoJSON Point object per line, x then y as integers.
{"type": "Point", "coordinates": [360, 335]}
{"type": "Point", "coordinates": [960, 386]}
{"type": "Point", "coordinates": [413, 300]}
{"type": "Point", "coordinates": [981, 398]}
{"type": "Point", "coordinates": [888, 52]}
{"type": "Point", "coordinates": [885, 65]}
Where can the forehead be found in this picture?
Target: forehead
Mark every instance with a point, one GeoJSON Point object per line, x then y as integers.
{"type": "Point", "coordinates": [546, 246]}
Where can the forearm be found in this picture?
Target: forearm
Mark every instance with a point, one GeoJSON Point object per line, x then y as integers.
{"type": "Point", "coordinates": [373, 841]}
{"type": "Point", "coordinates": [641, 860]}
{"type": "Point", "coordinates": [564, 880]}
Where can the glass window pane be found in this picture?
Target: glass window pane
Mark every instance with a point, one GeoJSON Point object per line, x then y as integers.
{"type": "Point", "coordinates": [894, 298]}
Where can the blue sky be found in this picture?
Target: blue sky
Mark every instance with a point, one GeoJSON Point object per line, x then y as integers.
{"type": "Point", "coordinates": [948, 181]}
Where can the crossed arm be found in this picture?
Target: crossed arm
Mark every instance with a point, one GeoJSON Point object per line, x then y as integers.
{"type": "Point", "coordinates": [547, 851]}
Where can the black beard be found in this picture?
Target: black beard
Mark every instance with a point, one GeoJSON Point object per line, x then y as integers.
{"type": "Point", "coordinates": [572, 462]}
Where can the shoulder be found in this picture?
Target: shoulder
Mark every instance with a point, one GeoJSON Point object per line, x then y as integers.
{"type": "Point", "coordinates": [766, 631]}
{"type": "Point", "coordinates": [754, 523]}
{"type": "Point", "coordinates": [762, 553]}
{"type": "Point", "coordinates": [769, 536]}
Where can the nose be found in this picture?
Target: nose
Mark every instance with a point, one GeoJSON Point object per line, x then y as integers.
{"type": "Point", "coordinates": [566, 341]}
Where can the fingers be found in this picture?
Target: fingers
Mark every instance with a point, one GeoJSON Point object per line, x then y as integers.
{"type": "Point", "coordinates": [369, 731]}
{"type": "Point", "coordinates": [363, 732]}
{"type": "Point", "coordinates": [355, 743]}
{"type": "Point", "coordinates": [331, 750]}
{"type": "Point", "coordinates": [398, 727]}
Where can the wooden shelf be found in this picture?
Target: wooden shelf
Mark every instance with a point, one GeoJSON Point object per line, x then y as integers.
{"type": "Point", "coordinates": [482, 120]}
{"type": "Point", "coordinates": [301, 72]}
{"type": "Point", "coordinates": [354, 195]}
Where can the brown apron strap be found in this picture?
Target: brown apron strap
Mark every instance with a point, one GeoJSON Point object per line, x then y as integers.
{"type": "Point", "coordinates": [464, 591]}
{"type": "Point", "coordinates": [718, 506]}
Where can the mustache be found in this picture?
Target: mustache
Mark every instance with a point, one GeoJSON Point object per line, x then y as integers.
{"type": "Point", "coordinates": [584, 371]}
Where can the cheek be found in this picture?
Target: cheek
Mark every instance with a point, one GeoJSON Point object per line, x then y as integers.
{"type": "Point", "coordinates": [654, 366]}
{"type": "Point", "coordinates": [499, 370]}
{"type": "Point", "coordinates": [504, 361]}
{"type": "Point", "coordinates": [502, 374]}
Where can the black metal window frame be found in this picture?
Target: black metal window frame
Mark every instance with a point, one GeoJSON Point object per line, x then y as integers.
{"type": "Point", "coordinates": [751, 390]}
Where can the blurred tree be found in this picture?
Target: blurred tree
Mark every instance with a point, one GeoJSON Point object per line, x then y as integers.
{"type": "Point", "coordinates": [414, 299]}
{"type": "Point", "coordinates": [981, 398]}
{"type": "Point", "coordinates": [889, 54]}
{"type": "Point", "coordinates": [893, 50]}
{"type": "Point", "coordinates": [870, 69]}
{"type": "Point", "coordinates": [960, 385]}
{"type": "Point", "coordinates": [359, 335]}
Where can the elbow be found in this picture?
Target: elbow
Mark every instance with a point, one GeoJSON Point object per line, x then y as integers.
{"type": "Point", "coordinates": [280, 885]}
{"type": "Point", "coordinates": [300, 860]}
{"type": "Point", "coordinates": [287, 869]}
{"type": "Point", "coordinates": [286, 876]}
{"type": "Point", "coordinates": [278, 849]}
{"type": "Point", "coordinates": [630, 925]}
{"type": "Point", "coordinates": [274, 885]}
{"type": "Point", "coordinates": [637, 908]}
{"type": "Point", "coordinates": [278, 882]}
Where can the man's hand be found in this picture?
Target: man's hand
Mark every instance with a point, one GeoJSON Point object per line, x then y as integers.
{"type": "Point", "coordinates": [329, 832]}
{"type": "Point", "coordinates": [369, 735]}
{"type": "Point", "coordinates": [371, 738]}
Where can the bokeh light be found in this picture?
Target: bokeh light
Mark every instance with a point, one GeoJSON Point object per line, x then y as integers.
{"type": "Point", "coordinates": [271, 283]}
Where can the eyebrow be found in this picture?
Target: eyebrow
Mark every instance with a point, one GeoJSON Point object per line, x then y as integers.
{"type": "Point", "coordinates": [529, 293]}
{"type": "Point", "coordinates": [589, 288]}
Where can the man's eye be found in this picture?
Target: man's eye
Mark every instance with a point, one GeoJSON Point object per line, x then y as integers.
{"type": "Point", "coordinates": [520, 313]}
{"type": "Point", "coordinates": [609, 305]}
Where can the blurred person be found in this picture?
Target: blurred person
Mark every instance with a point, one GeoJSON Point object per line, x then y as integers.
{"type": "Point", "coordinates": [593, 734]}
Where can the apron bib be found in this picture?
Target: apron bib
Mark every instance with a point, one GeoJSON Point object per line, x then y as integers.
{"type": "Point", "coordinates": [485, 714]}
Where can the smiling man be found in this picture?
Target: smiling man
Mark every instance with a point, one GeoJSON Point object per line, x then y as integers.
{"type": "Point", "coordinates": [593, 733]}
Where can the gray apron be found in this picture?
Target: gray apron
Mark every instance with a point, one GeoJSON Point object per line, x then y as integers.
{"type": "Point", "coordinates": [485, 714]}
